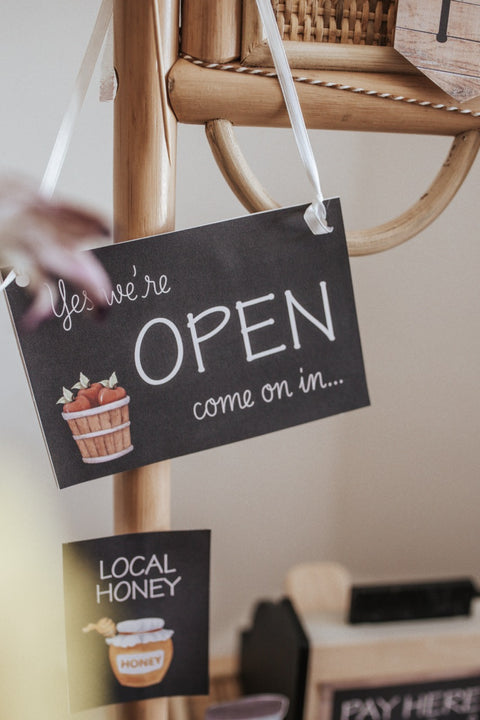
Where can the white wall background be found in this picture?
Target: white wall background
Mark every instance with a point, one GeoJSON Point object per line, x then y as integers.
{"type": "Point", "coordinates": [391, 491]}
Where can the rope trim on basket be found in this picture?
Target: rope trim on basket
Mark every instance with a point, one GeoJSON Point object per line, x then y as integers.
{"type": "Point", "coordinates": [332, 85]}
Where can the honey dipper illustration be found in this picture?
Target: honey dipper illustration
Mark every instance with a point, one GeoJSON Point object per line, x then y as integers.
{"type": "Point", "coordinates": [140, 651]}
{"type": "Point", "coordinates": [105, 626]}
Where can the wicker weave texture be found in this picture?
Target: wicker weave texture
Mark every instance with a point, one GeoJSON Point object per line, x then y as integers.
{"type": "Point", "coordinates": [359, 22]}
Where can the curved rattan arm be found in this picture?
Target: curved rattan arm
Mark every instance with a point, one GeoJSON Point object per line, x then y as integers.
{"type": "Point", "coordinates": [252, 195]}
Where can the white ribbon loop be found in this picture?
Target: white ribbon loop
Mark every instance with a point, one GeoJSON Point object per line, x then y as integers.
{"type": "Point", "coordinates": [315, 215]}
{"type": "Point", "coordinates": [8, 280]}
{"type": "Point", "coordinates": [82, 83]}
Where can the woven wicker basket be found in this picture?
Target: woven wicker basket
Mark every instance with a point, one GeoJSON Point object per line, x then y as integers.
{"type": "Point", "coordinates": [371, 22]}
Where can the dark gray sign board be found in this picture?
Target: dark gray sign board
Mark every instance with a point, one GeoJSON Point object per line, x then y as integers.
{"type": "Point", "coordinates": [215, 334]}
{"type": "Point", "coordinates": [137, 616]}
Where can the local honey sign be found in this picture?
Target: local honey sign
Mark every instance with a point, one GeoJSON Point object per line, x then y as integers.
{"type": "Point", "coordinates": [136, 615]}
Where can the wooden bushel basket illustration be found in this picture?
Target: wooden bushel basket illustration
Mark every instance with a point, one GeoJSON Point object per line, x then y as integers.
{"type": "Point", "coordinates": [102, 433]}
{"type": "Point", "coordinates": [348, 76]}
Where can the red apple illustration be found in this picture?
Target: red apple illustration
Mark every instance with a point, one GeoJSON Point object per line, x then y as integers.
{"type": "Point", "coordinates": [72, 404]}
{"type": "Point", "coordinates": [87, 389]}
{"type": "Point", "coordinates": [111, 391]}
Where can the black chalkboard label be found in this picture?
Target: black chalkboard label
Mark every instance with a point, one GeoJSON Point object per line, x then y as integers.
{"type": "Point", "coordinates": [136, 609]}
{"type": "Point", "coordinates": [430, 700]}
{"type": "Point", "coordinates": [215, 334]}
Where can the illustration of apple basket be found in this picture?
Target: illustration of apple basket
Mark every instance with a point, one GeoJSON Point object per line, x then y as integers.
{"type": "Point", "coordinates": [97, 414]}
{"type": "Point", "coordinates": [140, 651]}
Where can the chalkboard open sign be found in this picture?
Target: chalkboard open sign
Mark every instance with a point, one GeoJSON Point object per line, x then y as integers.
{"type": "Point", "coordinates": [442, 699]}
{"type": "Point", "coordinates": [214, 334]}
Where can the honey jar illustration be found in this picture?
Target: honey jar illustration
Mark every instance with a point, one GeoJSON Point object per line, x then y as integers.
{"type": "Point", "coordinates": [140, 651]}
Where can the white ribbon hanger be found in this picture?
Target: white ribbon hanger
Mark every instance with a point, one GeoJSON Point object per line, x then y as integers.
{"type": "Point", "coordinates": [82, 83]}
{"type": "Point", "coordinates": [315, 215]}
{"type": "Point", "coordinates": [67, 126]}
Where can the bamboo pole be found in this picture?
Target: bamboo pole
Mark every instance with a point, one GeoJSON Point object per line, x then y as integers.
{"type": "Point", "coordinates": [334, 56]}
{"type": "Point", "coordinates": [144, 204]}
{"type": "Point", "coordinates": [144, 178]}
{"type": "Point", "coordinates": [252, 29]}
{"type": "Point", "coordinates": [200, 94]}
{"type": "Point", "coordinates": [211, 30]}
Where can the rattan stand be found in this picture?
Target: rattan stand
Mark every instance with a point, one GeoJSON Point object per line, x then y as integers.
{"type": "Point", "coordinates": [344, 35]}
